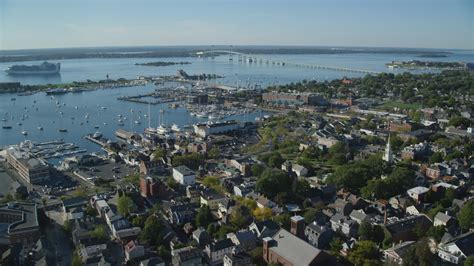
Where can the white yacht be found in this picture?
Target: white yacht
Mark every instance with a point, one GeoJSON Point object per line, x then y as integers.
{"type": "Point", "coordinates": [175, 128]}
{"type": "Point", "coordinates": [162, 129]}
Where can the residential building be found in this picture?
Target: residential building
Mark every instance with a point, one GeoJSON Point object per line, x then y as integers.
{"type": "Point", "coordinates": [151, 187]}
{"type": "Point", "coordinates": [187, 256]}
{"type": "Point", "coordinates": [19, 222]}
{"type": "Point", "coordinates": [418, 193]}
{"type": "Point", "coordinates": [264, 229]}
{"type": "Point", "coordinates": [402, 230]}
{"type": "Point", "coordinates": [216, 250]}
{"type": "Point", "coordinates": [133, 251]}
{"type": "Point", "coordinates": [236, 258]}
{"type": "Point", "coordinates": [212, 198]}
{"type": "Point", "coordinates": [344, 225]}
{"type": "Point", "coordinates": [244, 240]}
{"type": "Point", "coordinates": [443, 219]}
{"type": "Point", "coordinates": [318, 235]}
{"type": "Point", "coordinates": [395, 254]}
{"type": "Point", "coordinates": [287, 249]}
{"type": "Point", "coordinates": [183, 175]}
{"type": "Point", "coordinates": [457, 249]}
{"type": "Point", "coordinates": [148, 168]}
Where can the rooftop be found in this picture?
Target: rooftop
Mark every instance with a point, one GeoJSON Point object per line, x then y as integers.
{"type": "Point", "coordinates": [184, 170]}
{"type": "Point", "coordinates": [294, 249]}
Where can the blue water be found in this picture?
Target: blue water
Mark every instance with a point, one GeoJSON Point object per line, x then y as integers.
{"type": "Point", "coordinates": [235, 73]}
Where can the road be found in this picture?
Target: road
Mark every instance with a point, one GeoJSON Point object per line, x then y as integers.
{"type": "Point", "coordinates": [59, 244]}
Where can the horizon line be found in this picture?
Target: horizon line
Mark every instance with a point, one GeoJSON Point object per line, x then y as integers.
{"type": "Point", "coordinates": [237, 45]}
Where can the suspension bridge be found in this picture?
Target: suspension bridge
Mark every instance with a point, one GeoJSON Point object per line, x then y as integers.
{"type": "Point", "coordinates": [253, 59]}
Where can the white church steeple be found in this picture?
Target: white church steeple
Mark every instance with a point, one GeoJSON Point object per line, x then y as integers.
{"type": "Point", "coordinates": [388, 156]}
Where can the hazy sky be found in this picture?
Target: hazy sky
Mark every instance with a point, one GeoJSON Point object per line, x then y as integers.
{"type": "Point", "coordinates": [377, 23]}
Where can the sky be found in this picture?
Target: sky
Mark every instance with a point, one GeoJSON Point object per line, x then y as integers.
{"type": "Point", "coordinates": [28, 24]}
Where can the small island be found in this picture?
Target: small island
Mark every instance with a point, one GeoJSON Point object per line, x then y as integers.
{"type": "Point", "coordinates": [161, 63]}
{"type": "Point", "coordinates": [416, 64]}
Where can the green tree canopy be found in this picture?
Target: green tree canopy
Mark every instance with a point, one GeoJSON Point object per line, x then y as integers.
{"type": "Point", "coordinates": [466, 215]}
{"type": "Point", "coordinates": [273, 181]}
{"type": "Point", "coordinates": [125, 205]}
{"type": "Point", "coordinates": [153, 230]}
{"type": "Point", "coordinates": [203, 216]}
{"type": "Point", "coordinates": [192, 160]}
{"type": "Point", "coordinates": [365, 253]}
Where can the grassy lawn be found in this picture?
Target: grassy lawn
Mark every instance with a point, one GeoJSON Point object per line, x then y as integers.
{"type": "Point", "coordinates": [401, 105]}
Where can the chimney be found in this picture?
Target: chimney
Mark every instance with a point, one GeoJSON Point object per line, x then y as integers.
{"type": "Point", "coordinates": [297, 226]}
{"type": "Point", "coordinates": [385, 216]}
{"type": "Point", "coordinates": [267, 244]}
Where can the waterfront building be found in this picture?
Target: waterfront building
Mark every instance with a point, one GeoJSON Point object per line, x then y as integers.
{"type": "Point", "coordinates": [31, 169]}
{"type": "Point", "coordinates": [207, 129]}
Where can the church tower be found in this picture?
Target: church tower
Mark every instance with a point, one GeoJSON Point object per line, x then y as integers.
{"type": "Point", "coordinates": [388, 156]}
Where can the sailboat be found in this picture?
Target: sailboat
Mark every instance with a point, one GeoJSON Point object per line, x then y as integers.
{"type": "Point", "coordinates": [149, 129]}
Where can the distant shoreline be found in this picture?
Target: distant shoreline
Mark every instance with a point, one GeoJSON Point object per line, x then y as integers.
{"type": "Point", "coordinates": [166, 52]}
{"type": "Point", "coordinates": [161, 63]}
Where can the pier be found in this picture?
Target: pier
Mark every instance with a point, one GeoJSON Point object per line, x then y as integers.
{"type": "Point", "coordinates": [139, 99]}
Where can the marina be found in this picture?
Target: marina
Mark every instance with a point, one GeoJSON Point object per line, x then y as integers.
{"type": "Point", "coordinates": [52, 149]}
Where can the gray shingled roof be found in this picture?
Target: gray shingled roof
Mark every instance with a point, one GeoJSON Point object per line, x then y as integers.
{"type": "Point", "coordinates": [292, 248]}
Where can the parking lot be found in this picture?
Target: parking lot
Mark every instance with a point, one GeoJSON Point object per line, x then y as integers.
{"type": "Point", "coordinates": [106, 172]}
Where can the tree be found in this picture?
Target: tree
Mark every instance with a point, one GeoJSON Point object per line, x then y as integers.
{"type": "Point", "coordinates": [133, 178]}
{"type": "Point", "coordinates": [365, 253]}
{"type": "Point", "coordinates": [172, 183]}
{"type": "Point", "coordinates": [91, 211]}
{"type": "Point", "coordinates": [125, 205]}
{"type": "Point", "coordinates": [153, 230]}
{"type": "Point", "coordinates": [436, 232]}
{"type": "Point", "coordinates": [192, 160]}
{"type": "Point", "coordinates": [213, 153]}
{"type": "Point", "coordinates": [310, 215]}
{"type": "Point", "coordinates": [67, 226]}
{"type": "Point", "coordinates": [436, 157]}
{"type": "Point", "coordinates": [99, 232]}
{"type": "Point", "coordinates": [239, 216]}
{"type": "Point", "coordinates": [275, 160]}
{"type": "Point", "coordinates": [203, 216]}
{"type": "Point", "coordinates": [262, 214]}
{"type": "Point", "coordinates": [159, 153]}
{"type": "Point", "coordinates": [336, 246]}
{"type": "Point", "coordinates": [365, 230]}
{"type": "Point", "coordinates": [469, 261]}
{"type": "Point", "coordinates": [212, 182]}
{"type": "Point", "coordinates": [466, 215]}
{"type": "Point", "coordinates": [273, 181]}
{"type": "Point", "coordinates": [76, 260]}
{"type": "Point", "coordinates": [458, 121]}
{"type": "Point", "coordinates": [139, 221]}
{"type": "Point", "coordinates": [257, 169]}
{"type": "Point", "coordinates": [368, 231]}
{"type": "Point", "coordinates": [423, 252]}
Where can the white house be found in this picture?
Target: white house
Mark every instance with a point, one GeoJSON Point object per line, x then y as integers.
{"type": "Point", "coordinates": [457, 249]}
{"type": "Point", "coordinates": [183, 175]}
{"type": "Point", "coordinates": [417, 193]}
{"type": "Point", "coordinates": [300, 170]}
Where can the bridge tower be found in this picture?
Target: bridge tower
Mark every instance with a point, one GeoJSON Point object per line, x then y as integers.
{"type": "Point", "coordinates": [212, 52]}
